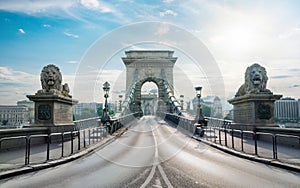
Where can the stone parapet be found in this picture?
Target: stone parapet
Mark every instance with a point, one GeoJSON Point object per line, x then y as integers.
{"type": "Point", "coordinates": [254, 109]}
{"type": "Point", "coordinates": [52, 110]}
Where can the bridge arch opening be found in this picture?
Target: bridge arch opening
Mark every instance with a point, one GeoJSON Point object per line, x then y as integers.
{"type": "Point", "coordinates": [159, 103]}
{"type": "Point", "coordinates": [149, 92]}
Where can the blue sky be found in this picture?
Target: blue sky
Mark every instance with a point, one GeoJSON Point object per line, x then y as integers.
{"type": "Point", "coordinates": [237, 33]}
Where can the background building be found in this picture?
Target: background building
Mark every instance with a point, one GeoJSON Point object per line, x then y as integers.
{"type": "Point", "coordinates": [298, 110]}
{"type": "Point", "coordinates": [86, 110]}
{"type": "Point", "coordinates": [217, 110]}
{"type": "Point", "coordinates": [14, 115]}
{"type": "Point", "coordinates": [149, 103]}
{"type": "Point", "coordinates": [30, 105]}
{"type": "Point", "coordinates": [286, 110]}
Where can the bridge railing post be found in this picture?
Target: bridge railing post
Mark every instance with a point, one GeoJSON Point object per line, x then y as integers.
{"type": "Point", "coordinates": [255, 143]}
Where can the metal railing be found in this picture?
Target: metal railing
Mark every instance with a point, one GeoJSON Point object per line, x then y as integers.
{"type": "Point", "coordinates": [219, 132]}
{"type": "Point", "coordinates": [61, 141]}
{"type": "Point", "coordinates": [86, 123]}
{"type": "Point", "coordinates": [119, 122]}
{"type": "Point", "coordinates": [237, 139]}
{"type": "Point", "coordinates": [59, 145]}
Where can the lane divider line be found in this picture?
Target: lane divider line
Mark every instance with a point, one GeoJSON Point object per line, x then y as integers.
{"type": "Point", "coordinates": [156, 164]}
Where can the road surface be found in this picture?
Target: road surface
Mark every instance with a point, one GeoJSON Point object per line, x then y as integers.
{"type": "Point", "coordinates": [153, 154]}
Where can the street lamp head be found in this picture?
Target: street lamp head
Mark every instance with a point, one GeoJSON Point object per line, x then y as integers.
{"type": "Point", "coordinates": [106, 87]}
{"type": "Point", "coordinates": [105, 117]}
{"type": "Point", "coordinates": [198, 91]}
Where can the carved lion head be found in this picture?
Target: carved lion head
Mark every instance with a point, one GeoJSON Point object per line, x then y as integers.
{"type": "Point", "coordinates": [51, 78]}
{"type": "Point", "coordinates": [255, 78]}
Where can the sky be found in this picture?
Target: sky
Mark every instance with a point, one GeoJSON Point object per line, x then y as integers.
{"type": "Point", "coordinates": [235, 34]}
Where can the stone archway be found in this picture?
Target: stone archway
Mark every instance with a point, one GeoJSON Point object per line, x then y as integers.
{"type": "Point", "coordinates": [135, 105]}
{"type": "Point", "coordinates": [148, 66]}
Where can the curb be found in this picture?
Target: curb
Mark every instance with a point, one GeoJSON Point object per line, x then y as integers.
{"type": "Point", "coordinates": [251, 157]}
{"type": "Point", "coordinates": [50, 164]}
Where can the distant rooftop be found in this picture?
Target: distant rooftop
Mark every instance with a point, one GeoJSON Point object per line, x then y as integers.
{"type": "Point", "coordinates": [287, 98]}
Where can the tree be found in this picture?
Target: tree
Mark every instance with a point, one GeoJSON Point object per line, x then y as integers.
{"type": "Point", "coordinates": [4, 122]}
{"type": "Point", "coordinates": [206, 110]}
{"type": "Point", "coordinates": [228, 117]}
{"type": "Point", "coordinates": [100, 111]}
{"type": "Point", "coordinates": [87, 113]}
{"type": "Point", "coordinates": [111, 112]}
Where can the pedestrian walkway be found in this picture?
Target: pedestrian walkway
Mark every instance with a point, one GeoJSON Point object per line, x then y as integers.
{"type": "Point", "coordinates": [16, 158]}
{"type": "Point", "coordinates": [289, 154]}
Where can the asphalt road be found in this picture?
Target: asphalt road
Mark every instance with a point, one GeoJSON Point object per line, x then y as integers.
{"type": "Point", "coordinates": [153, 154]}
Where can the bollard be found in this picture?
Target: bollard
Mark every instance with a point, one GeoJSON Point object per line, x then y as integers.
{"type": "Point", "coordinates": [48, 147]}
{"type": "Point", "coordinates": [255, 143]}
{"type": "Point", "coordinates": [232, 138]}
{"type": "Point", "coordinates": [242, 140]}
{"type": "Point", "coordinates": [274, 147]}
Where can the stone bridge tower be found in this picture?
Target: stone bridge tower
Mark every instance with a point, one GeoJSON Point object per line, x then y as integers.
{"type": "Point", "coordinates": [148, 66]}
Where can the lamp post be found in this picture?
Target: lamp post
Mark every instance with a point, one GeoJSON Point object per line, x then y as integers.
{"type": "Point", "coordinates": [200, 121]}
{"type": "Point", "coordinates": [120, 101]}
{"type": "Point", "coordinates": [105, 117]}
{"type": "Point", "coordinates": [199, 116]}
{"type": "Point", "coordinates": [181, 101]}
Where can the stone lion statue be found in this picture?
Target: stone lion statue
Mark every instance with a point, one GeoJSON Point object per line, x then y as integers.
{"type": "Point", "coordinates": [51, 79]}
{"type": "Point", "coordinates": [255, 81]}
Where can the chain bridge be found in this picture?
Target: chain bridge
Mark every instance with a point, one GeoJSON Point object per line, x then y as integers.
{"type": "Point", "coordinates": [166, 150]}
{"type": "Point", "coordinates": [150, 66]}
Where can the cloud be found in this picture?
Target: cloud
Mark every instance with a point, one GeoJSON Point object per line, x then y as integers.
{"type": "Point", "coordinates": [294, 70]}
{"type": "Point", "coordinates": [295, 86]}
{"type": "Point", "coordinates": [71, 35]}
{"type": "Point", "coordinates": [167, 12]}
{"type": "Point", "coordinates": [168, 1]}
{"type": "Point", "coordinates": [163, 29]}
{"type": "Point", "coordinates": [16, 84]}
{"type": "Point", "coordinates": [5, 71]}
{"type": "Point", "coordinates": [88, 86]}
{"type": "Point", "coordinates": [236, 33]}
{"type": "Point", "coordinates": [21, 31]}
{"type": "Point", "coordinates": [134, 47]}
{"type": "Point", "coordinates": [291, 33]}
{"type": "Point", "coordinates": [72, 62]}
{"type": "Point", "coordinates": [96, 5]}
{"type": "Point", "coordinates": [281, 76]}
{"type": "Point", "coordinates": [29, 6]}
{"type": "Point", "coordinates": [66, 8]}
{"type": "Point", "coordinates": [46, 25]}
{"type": "Point", "coordinates": [90, 3]}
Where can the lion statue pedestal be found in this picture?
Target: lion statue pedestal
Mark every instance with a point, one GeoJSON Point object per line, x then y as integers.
{"type": "Point", "coordinates": [253, 104]}
{"type": "Point", "coordinates": [53, 104]}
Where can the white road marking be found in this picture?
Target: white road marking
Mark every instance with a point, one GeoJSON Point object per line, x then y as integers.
{"type": "Point", "coordinates": [156, 164]}
{"type": "Point", "coordinates": [164, 176]}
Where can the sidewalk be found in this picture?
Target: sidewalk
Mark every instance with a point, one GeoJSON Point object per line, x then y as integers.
{"type": "Point", "coordinates": [12, 162]}
{"type": "Point", "coordinates": [12, 159]}
{"type": "Point", "coordinates": [287, 156]}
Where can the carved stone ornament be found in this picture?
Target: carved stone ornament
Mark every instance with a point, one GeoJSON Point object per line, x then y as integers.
{"type": "Point", "coordinates": [51, 80]}
{"type": "Point", "coordinates": [255, 81]}
{"type": "Point", "coordinates": [264, 111]}
{"type": "Point", "coordinates": [44, 112]}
